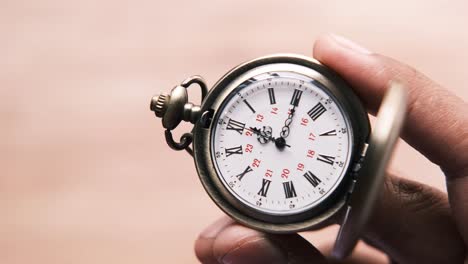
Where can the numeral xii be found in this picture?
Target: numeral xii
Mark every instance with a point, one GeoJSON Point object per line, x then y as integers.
{"type": "Point", "coordinates": [296, 97]}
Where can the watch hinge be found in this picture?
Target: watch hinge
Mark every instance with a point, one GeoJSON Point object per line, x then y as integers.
{"type": "Point", "coordinates": [206, 118]}
{"type": "Point", "coordinates": [355, 170]}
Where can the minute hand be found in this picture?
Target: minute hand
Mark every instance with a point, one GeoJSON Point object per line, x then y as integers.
{"type": "Point", "coordinates": [285, 130]}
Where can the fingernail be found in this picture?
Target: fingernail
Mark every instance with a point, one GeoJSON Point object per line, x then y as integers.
{"type": "Point", "coordinates": [346, 43]}
{"type": "Point", "coordinates": [213, 230]}
{"type": "Point", "coordinates": [260, 250]}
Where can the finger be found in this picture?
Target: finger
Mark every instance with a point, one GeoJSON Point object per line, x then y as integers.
{"type": "Point", "coordinates": [234, 243]}
{"type": "Point", "coordinates": [204, 244]}
{"type": "Point", "coordinates": [412, 223]}
{"type": "Point", "coordinates": [436, 123]}
{"type": "Point", "coordinates": [226, 242]}
{"type": "Point", "coordinates": [433, 111]}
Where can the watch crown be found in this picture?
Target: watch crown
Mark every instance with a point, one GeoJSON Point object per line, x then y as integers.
{"type": "Point", "coordinates": [159, 104]}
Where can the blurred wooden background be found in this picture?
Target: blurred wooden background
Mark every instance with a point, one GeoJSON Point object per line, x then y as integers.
{"type": "Point", "coordinates": [86, 176]}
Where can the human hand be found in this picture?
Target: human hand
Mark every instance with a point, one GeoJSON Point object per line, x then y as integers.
{"type": "Point", "coordinates": [411, 222]}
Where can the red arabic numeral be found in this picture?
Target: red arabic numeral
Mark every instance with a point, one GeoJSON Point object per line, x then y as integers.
{"type": "Point", "coordinates": [300, 167]}
{"type": "Point", "coordinates": [248, 148]}
{"type": "Point", "coordinates": [311, 136]}
{"type": "Point", "coordinates": [256, 163]}
{"type": "Point", "coordinates": [285, 173]}
{"type": "Point", "coordinates": [260, 118]}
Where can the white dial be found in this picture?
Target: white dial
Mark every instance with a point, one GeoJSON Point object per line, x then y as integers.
{"type": "Point", "coordinates": [281, 144]}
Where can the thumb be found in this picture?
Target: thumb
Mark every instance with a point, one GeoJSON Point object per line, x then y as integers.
{"type": "Point", "coordinates": [436, 123]}
{"type": "Point", "coordinates": [228, 242]}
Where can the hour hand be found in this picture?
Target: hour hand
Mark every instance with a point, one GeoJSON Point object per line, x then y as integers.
{"type": "Point", "coordinates": [263, 134]}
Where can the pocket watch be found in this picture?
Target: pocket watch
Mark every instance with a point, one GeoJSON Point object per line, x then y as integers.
{"type": "Point", "coordinates": [281, 144]}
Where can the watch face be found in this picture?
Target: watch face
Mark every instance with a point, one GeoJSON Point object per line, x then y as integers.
{"type": "Point", "coordinates": [281, 144]}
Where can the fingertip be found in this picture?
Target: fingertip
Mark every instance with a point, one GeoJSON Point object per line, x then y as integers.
{"type": "Point", "coordinates": [239, 244]}
{"type": "Point", "coordinates": [213, 229]}
{"type": "Point", "coordinates": [229, 242]}
{"type": "Point", "coordinates": [368, 73]}
{"type": "Point", "coordinates": [203, 250]}
{"type": "Point", "coordinates": [320, 46]}
{"type": "Point", "coordinates": [431, 108]}
{"type": "Point", "coordinates": [235, 243]}
{"type": "Point", "coordinates": [204, 243]}
{"type": "Point", "coordinates": [329, 46]}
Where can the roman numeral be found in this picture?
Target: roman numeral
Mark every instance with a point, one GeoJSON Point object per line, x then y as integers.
{"type": "Point", "coordinates": [289, 190]}
{"type": "Point", "coordinates": [271, 94]}
{"type": "Point", "coordinates": [236, 126]}
{"type": "Point", "coordinates": [250, 107]}
{"type": "Point", "coordinates": [314, 180]}
{"type": "Point", "coordinates": [296, 97]}
{"type": "Point", "coordinates": [329, 133]}
{"type": "Point", "coordinates": [265, 186]}
{"type": "Point", "coordinates": [247, 170]}
{"type": "Point", "coordinates": [234, 150]}
{"type": "Point", "coordinates": [327, 159]}
{"type": "Point", "coordinates": [316, 111]}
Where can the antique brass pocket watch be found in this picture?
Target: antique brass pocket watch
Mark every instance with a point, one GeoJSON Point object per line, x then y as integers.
{"type": "Point", "coordinates": [281, 144]}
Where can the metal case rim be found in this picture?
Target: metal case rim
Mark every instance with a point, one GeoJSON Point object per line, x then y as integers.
{"type": "Point", "coordinates": [205, 168]}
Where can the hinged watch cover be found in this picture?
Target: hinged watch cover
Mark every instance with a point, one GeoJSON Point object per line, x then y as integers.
{"type": "Point", "coordinates": [370, 178]}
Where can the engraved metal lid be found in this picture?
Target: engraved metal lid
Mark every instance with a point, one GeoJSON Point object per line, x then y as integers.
{"type": "Point", "coordinates": [370, 178]}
